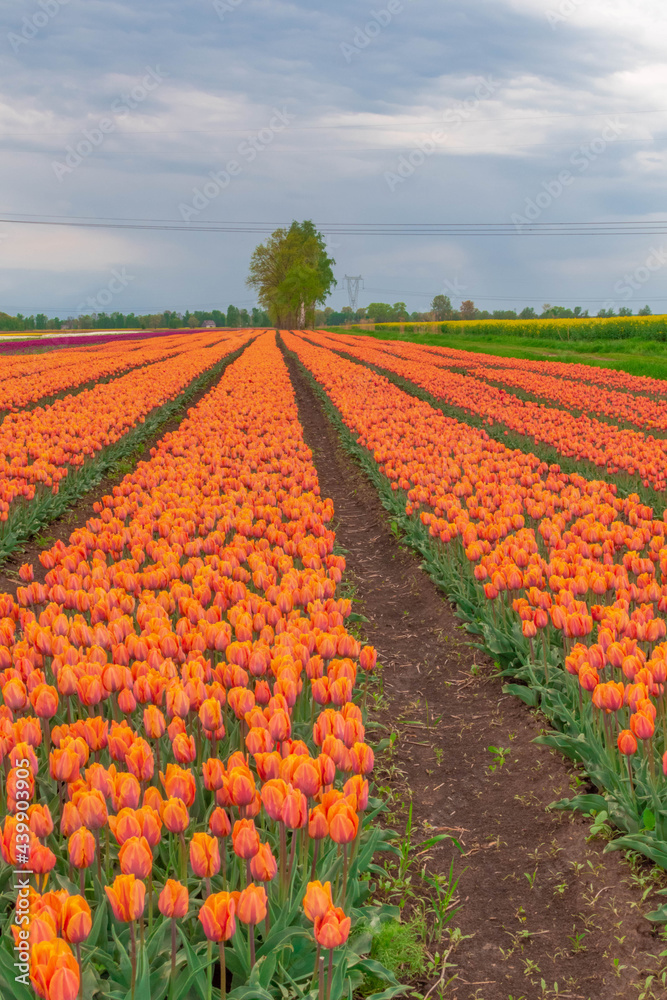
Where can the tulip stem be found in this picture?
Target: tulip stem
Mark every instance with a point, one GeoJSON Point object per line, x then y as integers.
{"type": "Point", "coordinates": [291, 857]}
{"type": "Point", "coordinates": [97, 852]}
{"type": "Point", "coordinates": [344, 893]}
{"type": "Point", "coordinates": [78, 959]}
{"type": "Point", "coordinates": [133, 956]}
{"type": "Point", "coordinates": [283, 853]}
{"type": "Point", "coordinates": [223, 972]}
{"type": "Point", "coordinates": [184, 857]}
{"type": "Point", "coordinates": [632, 784]}
{"type": "Point", "coordinates": [172, 983]}
{"type": "Point", "coordinates": [209, 970]}
{"type": "Point", "coordinates": [251, 944]}
{"type": "Point", "coordinates": [150, 901]}
{"type": "Point", "coordinates": [314, 864]}
{"type": "Point", "coordinates": [316, 966]}
{"type": "Point", "coordinates": [330, 974]}
{"type": "Point", "coordinates": [320, 974]}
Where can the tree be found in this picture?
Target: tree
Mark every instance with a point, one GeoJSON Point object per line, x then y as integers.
{"type": "Point", "coordinates": [625, 311]}
{"type": "Point", "coordinates": [644, 311]}
{"type": "Point", "coordinates": [441, 306]}
{"type": "Point", "coordinates": [292, 273]}
{"type": "Point", "coordinates": [380, 312]}
{"type": "Point", "coordinates": [468, 309]}
{"type": "Point", "coordinates": [259, 317]}
{"type": "Point", "coordinates": [233, 316]}
{"type": "Point", "coordinates": [528, 313]}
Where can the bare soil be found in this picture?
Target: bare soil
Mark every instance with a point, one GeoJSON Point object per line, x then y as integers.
{"type": "Point", "coordinates": [540, 903]}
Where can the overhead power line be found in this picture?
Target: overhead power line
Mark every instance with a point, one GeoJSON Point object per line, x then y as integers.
{"type": "Point", "coordinates": [630, 227]}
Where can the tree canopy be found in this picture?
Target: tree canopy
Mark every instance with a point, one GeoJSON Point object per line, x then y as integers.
{"type": "Point", "coordinates": [291, 274]}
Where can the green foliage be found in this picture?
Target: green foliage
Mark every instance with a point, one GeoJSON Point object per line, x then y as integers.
{"type": "Point", "coordinates": [400, 948]}
{"type": "Point", "coordinates": [291, 273]}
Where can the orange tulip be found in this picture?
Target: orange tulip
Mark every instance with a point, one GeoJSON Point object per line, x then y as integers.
{"type": "Point", "coordinates": [125, 825]}
{"type": "Point", "coordinates": [245, 839]}
{"type": "Point", "coordinates": [175, 815]}
{"type": "Point", "coordinates": [140, 761]}
{"type": "Point", "coordinates": [44, 700]}
{"type": "Point", "coordinates": [179, 784]}
{"type": "Point", "coordinates": [627, 743]}
{"type": "Point", "coordinates": [75, 919]}
{"type": "Point", "coordinates": [92, 808]}
{"type": "Point", "coordinates": [126, 897]}
{"type": "Point", "coordinates": [54, 972]}
{"type": "Point", "coordinates": [154, 722]}
{"type": "Point", "coordinates": [333, 928]}
{"type": "Point", "coordinates": [136, 858]}
{"type": "Point", "coordinates": [263, 865]}
{"type": "Point", "coordinates": [343, 823]}
{"type": "Point", "coordinates": [252, 904]}
{"type": "Point", "coordinates": [204, 855]}
{"type": "Point", "coordinates": [40, 821]}
{"type": "Point", "coordinates": [642, 726]}
{"type": "Point", "coordinates": [219, 823]}
{"type": "Point", "coordinates": [173, 900]}
{"type": "Point", "coordinates": [210, 715]}
{"type": "Point", "coordinates": [81, 848]}
{"type": "Point", "coordinates": [217, 916]}
{"type": "Point", "coordinates": [317, 900]}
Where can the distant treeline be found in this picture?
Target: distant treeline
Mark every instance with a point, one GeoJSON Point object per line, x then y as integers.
{"type": "Point", "coordinates": [442, 309]}
{"type": "Point", "coordinates": [377, 312]}
{"type": "Point", "coordinates": [130, 321]}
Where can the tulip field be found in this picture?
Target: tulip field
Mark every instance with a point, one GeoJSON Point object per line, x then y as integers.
{"type": "Point", "coordinates": [188, 809]}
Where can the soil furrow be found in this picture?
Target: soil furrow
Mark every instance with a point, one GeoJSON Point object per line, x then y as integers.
{"type": "Point", "coordinates": [538, 901]}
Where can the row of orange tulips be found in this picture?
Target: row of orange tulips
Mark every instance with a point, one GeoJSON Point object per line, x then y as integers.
{"type": "Point", "coordinates": [582, 437]}
{"type": "Point", "coordinates": [604, 377]}
{"type": "Point", "coordinates": [177, 727]}
{"type": "Point", "coordinates": [27, 378]}
{"type": "Point", "coordinates": [39, 446]}
{"type": "Point", "coordinates": [570, 392]}
{"type": "Point", "coordinates": [564, 563]}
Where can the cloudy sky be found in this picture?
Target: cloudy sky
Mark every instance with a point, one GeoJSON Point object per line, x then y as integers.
{"type": "Point", "coordinates": [402, 111]}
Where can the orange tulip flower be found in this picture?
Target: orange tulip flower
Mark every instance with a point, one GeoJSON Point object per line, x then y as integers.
{"type": "Point", "coordinates": [333, 928]}
{"type": "Point", "coordinates": [252, 904]}
{"type": "Point", "coordinates": [81, 848]}
{"type": "Point", "coordinates": [126, 897]}
{"type": "Point", "coordinates": [75, 919]}
{"type": "Point", "coordinates": [204, 855]}
{"type": "Point", "coordinates": [217, 916]}
{"type": "Point", "coordinates": [317, 900]}
{"type": "Point", "coordinates": [136, 858]}
{"type": "Point", "coordinates": [173, 900]}
{"type": "Point", "coordinates": [175, 815]}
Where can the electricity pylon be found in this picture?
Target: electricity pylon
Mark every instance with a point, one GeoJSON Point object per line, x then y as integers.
{"type": "Point", "coordinates": [353, 289]}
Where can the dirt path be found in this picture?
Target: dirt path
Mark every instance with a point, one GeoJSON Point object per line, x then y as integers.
{"type": "Point", "coordinates": [539, 903]}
